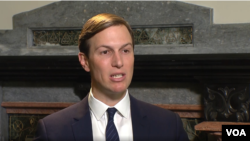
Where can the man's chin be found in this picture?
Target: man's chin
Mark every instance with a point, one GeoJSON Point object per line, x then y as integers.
{"type": "Point", "coordinates": [118, 88]}
{"type": "Point", "coordinates": [119, 92]}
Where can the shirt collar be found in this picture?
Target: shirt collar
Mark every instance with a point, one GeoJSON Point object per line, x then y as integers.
{"type": "Point", "coordinates": [99, 108]}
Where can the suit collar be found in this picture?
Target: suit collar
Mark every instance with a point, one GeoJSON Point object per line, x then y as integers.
{"type": "Point", "coordinates": [82, 126]}
{"type": "Point", "coordinates": [139, 120]}
{"type": "Point", "coordinates": [98, 108]}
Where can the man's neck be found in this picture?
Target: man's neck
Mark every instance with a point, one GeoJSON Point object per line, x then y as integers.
{"type": "Point", "coordinates": [110, 99]}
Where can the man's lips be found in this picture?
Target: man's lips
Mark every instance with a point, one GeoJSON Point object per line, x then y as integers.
{"type": "Point", "coordinates": [117, 77]}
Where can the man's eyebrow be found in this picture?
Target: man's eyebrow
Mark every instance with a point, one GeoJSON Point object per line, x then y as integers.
{"type": "Point", "coordinates": [126, 45]}
{"type": "Point", "coordinates": [106, 46]}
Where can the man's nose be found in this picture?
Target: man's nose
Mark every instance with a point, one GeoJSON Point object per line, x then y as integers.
{"type": "Point", "coordinates": [117, 60]}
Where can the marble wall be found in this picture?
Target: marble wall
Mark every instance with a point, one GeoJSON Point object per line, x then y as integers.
{"type": "Point", "coordinates": [207, 38]}
{"type": "Point", "coordinates": [3, 118]}
{"type": "Point", "coordinates": [151, 92]}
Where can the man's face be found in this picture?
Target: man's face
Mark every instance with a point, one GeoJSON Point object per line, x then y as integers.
{"type": "Point", "coordinates": [111, 60]}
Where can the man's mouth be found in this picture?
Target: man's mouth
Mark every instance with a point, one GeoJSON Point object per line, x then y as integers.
{"type": "Point", "coordinates": [117, 76]}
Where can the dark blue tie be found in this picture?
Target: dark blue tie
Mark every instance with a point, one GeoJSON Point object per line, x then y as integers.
{"type": "Point", "coordinates": [111, 132]}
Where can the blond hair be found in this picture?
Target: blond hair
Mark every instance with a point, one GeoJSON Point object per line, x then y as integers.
{"type": "Point", "coordinates": [95, 25]}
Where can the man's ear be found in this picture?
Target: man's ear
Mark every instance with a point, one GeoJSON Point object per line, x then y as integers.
{"type": "Point", "coordinates": [83, 59]}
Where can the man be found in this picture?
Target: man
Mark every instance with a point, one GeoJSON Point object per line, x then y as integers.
{"type": "Point", "coordinates": [108, 112]}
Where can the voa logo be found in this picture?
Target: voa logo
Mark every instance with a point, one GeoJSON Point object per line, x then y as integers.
{"type": "Point", "coordinates": [236, 132]}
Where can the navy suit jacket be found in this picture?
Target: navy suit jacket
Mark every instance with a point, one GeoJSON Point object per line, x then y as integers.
{"type": "Point", "coordinates": [149, 123]}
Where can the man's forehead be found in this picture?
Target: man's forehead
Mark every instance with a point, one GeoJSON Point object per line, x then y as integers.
{"type": "Point", "coordinates": [112, 35]}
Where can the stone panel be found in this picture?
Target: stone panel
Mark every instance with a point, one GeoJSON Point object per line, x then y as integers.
{"type": "Point", "coordinates": [167, 93]}
{"type": "Point", "coordinates": [155, 93]}
{"type": "Point", "coordinates": [142, 36]}
{"type": "Point", "coordinates": [59, 14]}
{"type": "Point", "coordinates": [3, 119]}
{"type": "Point", "coordinates": [39, 92]}
{"type": "Point", "coordinates": [1, 95]}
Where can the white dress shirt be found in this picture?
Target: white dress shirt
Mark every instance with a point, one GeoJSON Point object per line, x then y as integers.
{"type": "Point", "coordinates": [99, 118]}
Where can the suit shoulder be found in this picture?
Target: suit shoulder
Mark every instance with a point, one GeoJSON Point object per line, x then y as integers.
{"type": "Point", "coordinates": [153, 109]}
{"type": "Point", "coordinates": [64, 115]}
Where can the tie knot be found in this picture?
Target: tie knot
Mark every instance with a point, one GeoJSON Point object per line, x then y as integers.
{"type": "Point", "coordinates": [111, 113]}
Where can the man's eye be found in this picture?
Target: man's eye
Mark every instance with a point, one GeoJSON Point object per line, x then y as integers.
{"type": "Point", "coordinates": [104, 52]}
{"type": "Point", "coordinates": [126, 51]}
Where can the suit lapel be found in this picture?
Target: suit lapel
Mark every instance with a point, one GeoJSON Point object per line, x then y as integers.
{"type": "Point", "coordinates": [139, 120]}
{"type": "Point", "coordinates": [82, 126]}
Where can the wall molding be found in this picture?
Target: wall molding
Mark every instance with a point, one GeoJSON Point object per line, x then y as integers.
{"type": "Point", "coordinates": [184, 111]}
